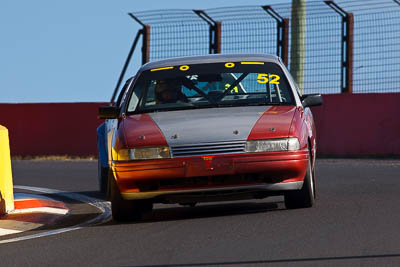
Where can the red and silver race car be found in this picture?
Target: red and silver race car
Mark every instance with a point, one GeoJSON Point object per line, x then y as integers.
{"type": "Point", "coordinates": [208, 128]}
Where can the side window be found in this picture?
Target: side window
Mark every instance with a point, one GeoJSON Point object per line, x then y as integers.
{"type": "Point", "coordinates": [135, 97]}
{"type": "Point", "coordinates": [123, 93]}
{"type": "Point", "coordinates": [150, 94]}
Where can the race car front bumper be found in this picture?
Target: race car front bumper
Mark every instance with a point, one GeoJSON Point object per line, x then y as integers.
{"type": "Point", "coordinates": [210, 175]}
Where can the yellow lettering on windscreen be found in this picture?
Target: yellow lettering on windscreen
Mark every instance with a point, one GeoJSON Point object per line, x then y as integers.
{"type": "Point", "coordinates": [165, 68]}
{"type": "Point", "coordinates": [251, 63]}
{"type": "Point", "coordinates": [265, 78]}
{"type": "Point", "coordinates": [184, 68]}
{"type": "Point", "coordinates": [234, 90]}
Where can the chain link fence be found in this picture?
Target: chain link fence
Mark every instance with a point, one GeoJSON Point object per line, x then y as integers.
{"type": "Point", "coordinates": [175, 33]}
{"type": "Point", "coordinates": [246, 29]}
{"type": "Point", "coordinates": [365, 59]}
{"type": "Point", "coordinates": [377, 52]}
{"type": "Point", "coordinates": [322, 51]}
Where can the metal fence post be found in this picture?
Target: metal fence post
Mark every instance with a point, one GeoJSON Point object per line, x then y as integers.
{"type": "Point", "coordinates": [145, 33]}
{"type": "Point", "coordinates": [217, 37]}
{"type": "Point", "coordinates": [215, 31]}
{"type": "Point", "coordinates": [127, 61]}
{"type": "Point", "coordinates": [145, 39]}
{"type": "Point", "coordinates": [285, 41]}
{"type": "Point", "coordinates": [146, 44]}
{"type": "Point", "coordinates": [347, 47]}
{"type": "Point", "coordinates": [282, 34]}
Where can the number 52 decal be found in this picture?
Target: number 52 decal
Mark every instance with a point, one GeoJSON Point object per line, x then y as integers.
{"type": "Point", "coordinates": [271, 78]}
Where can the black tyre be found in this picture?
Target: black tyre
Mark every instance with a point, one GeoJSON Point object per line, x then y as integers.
{"type": "Point", "coordinates": [303, 198]}
{"type": "Point", "coordinates": [102, 174]}
{"type": "Point", "coordinates": [126, 210]}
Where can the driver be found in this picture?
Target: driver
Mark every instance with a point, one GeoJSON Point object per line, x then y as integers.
{"type": "Point", "coordinates": [168, 91]}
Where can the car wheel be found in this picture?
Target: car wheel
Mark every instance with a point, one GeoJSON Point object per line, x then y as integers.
{"type": "Point", "coordinates": [102, 174]}
{"type": "Point", "coordinates": [303, 198]}
{"type": "Point", "coordinates": [126, 210]}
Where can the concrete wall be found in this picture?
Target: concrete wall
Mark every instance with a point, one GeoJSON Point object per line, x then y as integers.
{"type": "Point", "coordinates": [358, 125]}
{"type": "Point", "coordinates": [51, 129]}
{"type": "Point", "coordinates": [347, 125]}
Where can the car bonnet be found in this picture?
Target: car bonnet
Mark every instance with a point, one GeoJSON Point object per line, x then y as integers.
{"type": "Point", "coordinates": [210, 125]}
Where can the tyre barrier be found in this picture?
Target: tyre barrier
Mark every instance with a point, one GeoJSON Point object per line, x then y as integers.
{"type": "Point", "coordinates": [6, 183]}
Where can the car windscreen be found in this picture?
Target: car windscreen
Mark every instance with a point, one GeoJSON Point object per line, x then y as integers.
{"type": "Point", "coordinates": [210, 85]}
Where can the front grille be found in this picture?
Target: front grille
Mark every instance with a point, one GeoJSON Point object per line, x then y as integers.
{"type": "Point", "coordinates": [203, 149]}
{"type": "Point", "coordinates": [214, 180]}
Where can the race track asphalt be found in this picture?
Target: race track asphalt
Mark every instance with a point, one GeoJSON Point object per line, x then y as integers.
{"type": "Point", "coordinates": [356, 222]}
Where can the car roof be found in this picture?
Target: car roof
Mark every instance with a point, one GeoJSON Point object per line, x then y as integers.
{"type": "Point", "coordinates": [212, 58]}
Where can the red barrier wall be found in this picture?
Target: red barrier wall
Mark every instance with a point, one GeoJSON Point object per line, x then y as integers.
{"type": "Point", "coordinates": [51, 129]}
{"type": "Point", "coordinates": [358, 125]}
{"type": "Point", "coordinates": [347, 125]}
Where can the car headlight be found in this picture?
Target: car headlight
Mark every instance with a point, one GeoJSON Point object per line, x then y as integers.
{"type": "Point", "coordinates": [273, 145]}
{"type": "Point", "coordinates": [144, 153]}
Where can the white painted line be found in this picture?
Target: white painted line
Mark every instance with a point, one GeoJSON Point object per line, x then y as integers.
{"type": "Point", "coordinates": [8, 227]}
{"type": "Point", "coordinates": [103, 206]}
{"type": "Point", "coordinates": [4, 231]}
{"type": "Point", "coordinates": [41, 210]}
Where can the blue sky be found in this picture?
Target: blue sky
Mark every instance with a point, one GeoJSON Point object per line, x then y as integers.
{"type": "Point", "coordinates": [73, 51]}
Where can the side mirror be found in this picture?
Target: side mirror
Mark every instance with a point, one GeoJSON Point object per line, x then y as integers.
{"type": "Point", "coordinates": [109, 112]}
{"type": "Point", "coordinates": [311, 100]}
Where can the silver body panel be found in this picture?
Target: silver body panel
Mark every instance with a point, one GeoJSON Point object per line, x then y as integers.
{"type": "Point", "coordinates": [211, 125]}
